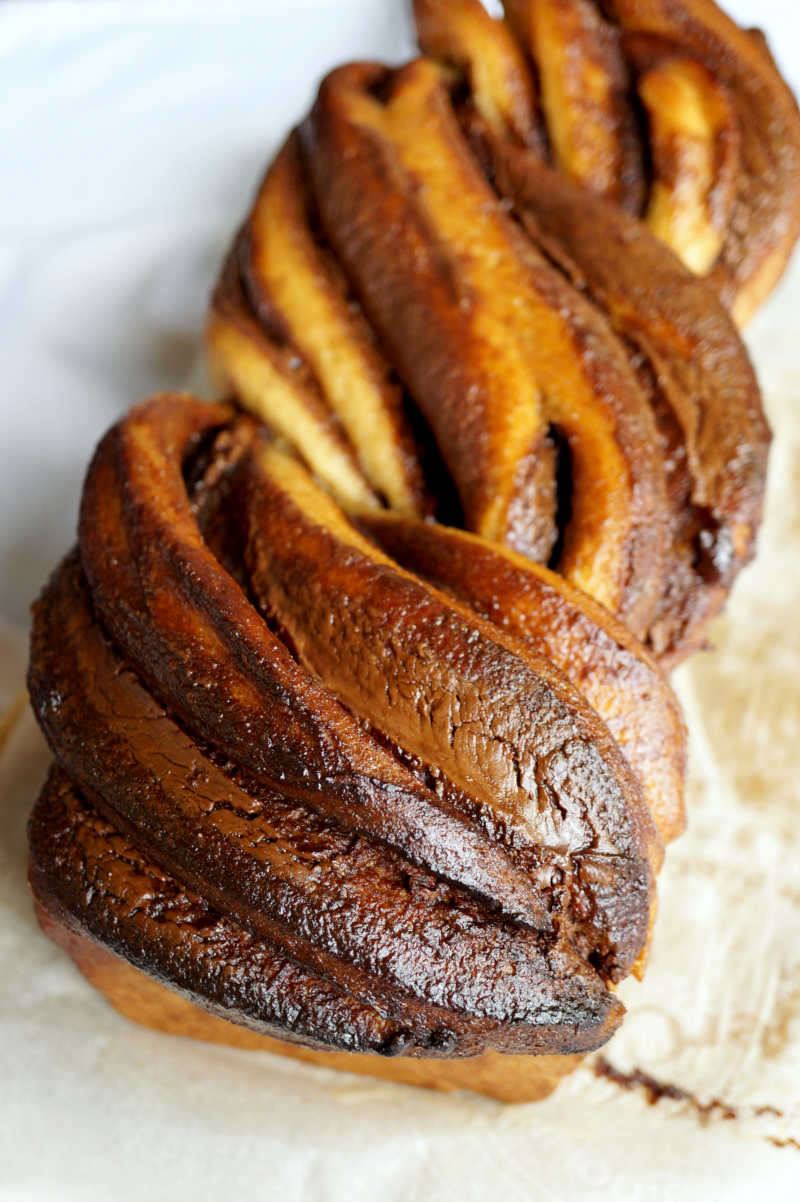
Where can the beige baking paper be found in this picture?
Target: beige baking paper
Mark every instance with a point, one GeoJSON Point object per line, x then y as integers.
{"type": "Point", "coordinates": [92, 1107]}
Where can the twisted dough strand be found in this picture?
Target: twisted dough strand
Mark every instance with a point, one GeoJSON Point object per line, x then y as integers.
{"type": "Point", "coordinates": [631, 86]}
{"type": "Point", "coordinates": [467, 795]}
{"type": "Point", "coordinates": [362, 780]}
{"type": "Point", "coordinates": [588, 397]}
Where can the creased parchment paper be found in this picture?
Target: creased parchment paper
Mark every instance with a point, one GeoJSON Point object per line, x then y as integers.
{"type": "Point", "coordinates": [169, 110]}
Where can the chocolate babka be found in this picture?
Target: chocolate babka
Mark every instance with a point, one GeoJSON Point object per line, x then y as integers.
{"type": "Point", "coordinates": [328, 797]}
{"type": "Point", "coordinates": [355, 681]}
{"type": "Point", "coordinates": [579, 395]}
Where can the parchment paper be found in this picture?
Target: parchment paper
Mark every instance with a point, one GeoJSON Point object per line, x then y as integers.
{"type": "Point", "coordinates": [131, 136]}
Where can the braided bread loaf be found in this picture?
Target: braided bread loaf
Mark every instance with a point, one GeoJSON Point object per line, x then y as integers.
{"type": "Point", "coordinates": [612, 432]}
{"type": "Point", "coordinates": [322, 796]}
{"type": "Point", "coordinates": [363, 780]}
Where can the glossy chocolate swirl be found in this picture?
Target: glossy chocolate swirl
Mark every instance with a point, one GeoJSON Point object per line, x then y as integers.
{"type": "Point", "coordinates": [335, 799]}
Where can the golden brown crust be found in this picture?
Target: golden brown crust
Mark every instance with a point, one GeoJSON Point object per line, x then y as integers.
{"type": "Point", "coordinates": [585, 85]}
{"type": "Point", "coordinates": [268, 798]}
{"type": "Point", "coordinates": [723, 127]}
{"type": "Point", "coordinates": [698, 376]}
{"type": "Point", "coordinates": [297, 292]}
{"type": "Point", "coordinates": [597, 653]}
{"type": "Point", "coordinates": [459, 35]}
{"type": "Point", "coordinates": [610, 431]}
{"type": "Point", "coordinates": [694, 150]}
{"type": "Point", "coordinates": [765, 221]}
{"type": "Point", "coordinates": [359, 781]}
{"type": "Point", "coordinates": [493, 343]}
{"type": "Point", "coordinates": [177, 614]}
{"type": "Point", "coordinates": [422, 672]}
{"type": "Point", "coordinates": [272, 382]}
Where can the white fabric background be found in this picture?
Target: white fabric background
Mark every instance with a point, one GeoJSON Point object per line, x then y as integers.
{"type": "Point", "coordinates": [131, 137]}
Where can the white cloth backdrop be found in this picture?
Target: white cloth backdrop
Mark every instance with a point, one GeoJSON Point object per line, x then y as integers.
{"type": "Point", "coordinates": [131, 137]}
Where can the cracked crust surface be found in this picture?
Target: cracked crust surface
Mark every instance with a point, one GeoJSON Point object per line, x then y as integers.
{"type": "Point", "coordinates": [398, 807]}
